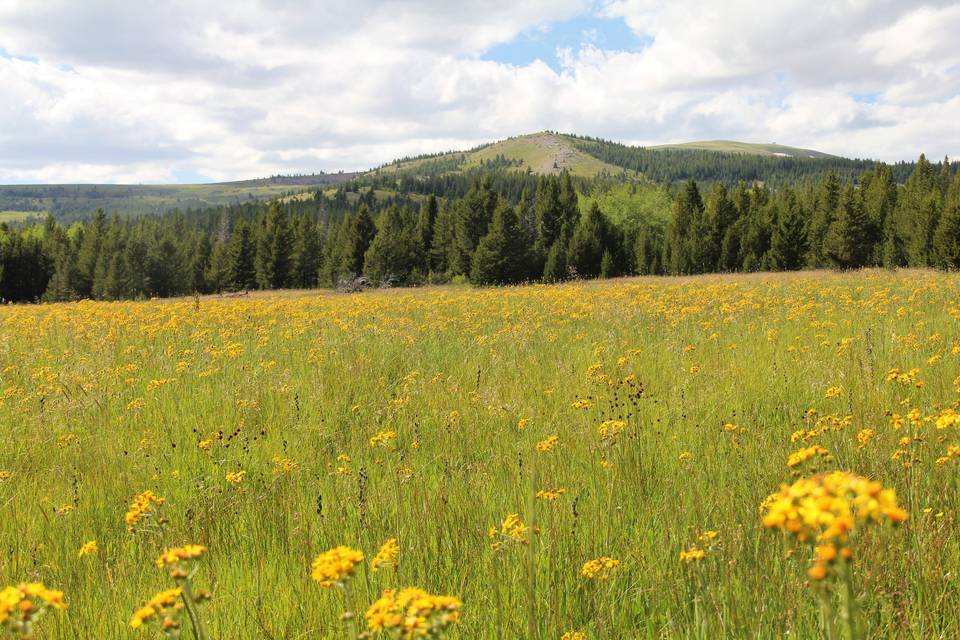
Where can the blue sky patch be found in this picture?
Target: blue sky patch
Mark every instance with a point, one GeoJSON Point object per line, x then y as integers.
{"type": "Point", "coordinates": [189, 176]}
{"type": "Point", "coordinates": [10, 56]}
{"type": "Point", "coordinates": [541, 43]}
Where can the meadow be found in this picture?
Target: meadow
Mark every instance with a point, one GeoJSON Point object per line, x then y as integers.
{"type": "Point", "coordinates": [580, 461]}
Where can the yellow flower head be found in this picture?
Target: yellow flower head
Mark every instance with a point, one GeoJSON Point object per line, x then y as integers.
{"type": "Point", "coordinates": [413, 613]}
{"type": "Point", "coordinates": [140, 507]}
{"type": "Point", "coordinates": [511, 530]}
{"type": "Point", "coordinates": [24, 602]}
{"type": "Point", "coordinates": [162, 604]}
{"type": "Point", "coordinates": [87, 549]}
{"type": "Point", "coordinates": [387, 555]}
{"type": "Point", "coordinates": [546, 445]}
{"type": "Point", "coordinates": [334, 567]}
{"type": "Point", "coordinates": [179, 555]}
{"type": "Point", "coordinates": [828, 507]}
{"type": "Point", "coordinates": [599, 568]}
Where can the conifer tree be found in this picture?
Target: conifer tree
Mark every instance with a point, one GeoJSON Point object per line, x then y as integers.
{"type": "Point", "coordinates": [396, 252]}
{"type": "Point", "coordinates": [243, 252]}
{"type": "Point", "coordinates": [500, 257]}
{"type": "Point", "coordinates": [846, 245]}
{"type": "Point", "coordinates": [788, 242]}
{"type": "Point", "coordinates": [824, 210]}
{"type": "Point", "coordinates": [473, 216]}
{"type": "Point", "coordinates": [687, 212]}
{"type": "Point", "coordinates": [307, 254]}
{"type": "Point", "coordinates": [588, 244]}
{"type": "Point", "coordinates": [425, 225]}
{"type": "Point", "coordinates": [946, 239]}
{"type": "Point", "coordinates": [218, 275]}
{"type": "Point", "coordinates": [443, 241]}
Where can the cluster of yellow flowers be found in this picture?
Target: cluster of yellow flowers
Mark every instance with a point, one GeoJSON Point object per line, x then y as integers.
{"type": "Point", "coordinates": [827, 508]}
{"type": "Point", "coordinates": [952, 453]}
{"type": "Point", "coordinates": [609, 429]}
{"type": "Point", "coordinates": [413, 613]}
{"type": "Point", "coordinates": [599, 568]}
{"type": "Point", "coordinates": [165, 604]}
{"type": "Point", "coordinates": [334, 567]}
{"type": "Point", "coordinates": [283, 465]}
{"type": "Point", "coordinates": [546, 445]}
{"type": "Point", "coordinates": [177, 557]}
{"type": "Point", "coordinates": [382, 437]}
{"type": "Point", "coordinates": [21, 606]}
{"type": "Point", "coordinates": [235, 477]}
{"type": "Point", "coordinates": [140, 507]}
{"type": "Point", "coordinates": [904, 377]}
{"type": "Point", "coordinates": [387, 555]}
{"type": "Point", "coordinates": [800, 456]}
{"type": "Point", "coordinates": [550, 494]}
{"type": "Point", "coordinates": [574, 635]}
{"type": "Point", "coordinates": [88, 548]}
{"type": "Point", "coordinates": [511, 530]}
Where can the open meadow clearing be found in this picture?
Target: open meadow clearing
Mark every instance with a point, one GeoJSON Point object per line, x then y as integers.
{"type": "Point", "coordinates": [505, 438]}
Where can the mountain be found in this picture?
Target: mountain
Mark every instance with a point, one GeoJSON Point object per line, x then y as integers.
{"type": "Point", "coordinates": [732, 146]}
{"type": "Point", "coordinates": [542, 153]}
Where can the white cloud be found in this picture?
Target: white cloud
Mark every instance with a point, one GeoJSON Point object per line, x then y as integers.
{"type": "Point", "coordinates": [139, 92]}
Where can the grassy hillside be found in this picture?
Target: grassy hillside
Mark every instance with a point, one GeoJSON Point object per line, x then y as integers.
{"type": "Point", "coordinates": [732, 146]}
{"type": "Point", "coordinates": [543, 153]}
{"type": "Point", "coordinates": [71, 201]}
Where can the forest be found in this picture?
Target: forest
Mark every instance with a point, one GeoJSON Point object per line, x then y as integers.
{"type": "Point", "coordinates": [494, 225]}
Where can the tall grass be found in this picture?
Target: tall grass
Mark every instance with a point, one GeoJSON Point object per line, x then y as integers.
{"type": "Point", "coordinates": [100, 401]}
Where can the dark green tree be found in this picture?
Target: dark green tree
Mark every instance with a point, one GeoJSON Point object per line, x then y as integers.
{"type": "Point", "coordinates": [500, 257]}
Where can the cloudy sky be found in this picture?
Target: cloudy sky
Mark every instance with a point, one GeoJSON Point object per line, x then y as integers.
{"type": "Point", "coordinates": [171, 91]}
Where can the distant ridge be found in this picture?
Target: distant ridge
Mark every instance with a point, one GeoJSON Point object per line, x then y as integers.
{"type": "Point", "coordinates": [732, 146]}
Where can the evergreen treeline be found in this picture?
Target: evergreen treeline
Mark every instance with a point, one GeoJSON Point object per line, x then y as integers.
{"type": "Point", "coordinates": [491, 235]}
{"type": "Point", "coordinates": [666, 165]}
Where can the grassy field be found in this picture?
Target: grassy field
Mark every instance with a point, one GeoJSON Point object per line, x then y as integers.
{"type": "Point", "coordinates": [653, 417]}
{"type": "Point", "coordinates": [73, 201]}
{"type": "Point", "coordinates": [16, 216]}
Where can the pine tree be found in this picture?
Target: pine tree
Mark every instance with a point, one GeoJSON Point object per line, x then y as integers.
{"type": "Point", "coordinates": [589, 243]}
{"type": "Point", "coordinates": [307, 254]}
{"type": "Point", "coordinates": [555, 268]}
{"type": "Point", "coordinates": [89, 253]}
{"type": "Point", "coordinates": [846, 245]}
{"type": "Point", "coordinates": [788, 242]}
{"type": "Point", "coordinates": [348, 248]}
{"type": "Point", "coordinates": [500, 257]}
{"type": "Point", "coordinates": [166, 267]}
{"type": "Point", "coordinates": [274, 249]}
{"type": "Point", "coordinates": [442, 244]}
{"type": "Point", "coordinates": [687, 212]}
{"type": "Point", "coordinates": [118, 277]}
{"type": "Point", "coordinates": [396, 252]}
{"type": "Point", "coordinates": [200, 264]}
{"type": "Point", "coordinates": [425, 224]}
{"type": "Point", "coordinates": [243, 252]}
{"type": "Point", "coordinates": [917, 215]}
{"type": "Point", "coordinates": [946, 239]}
{"type": "Point", "coordinates": [473, 216]}
{"type": "Point", "coordinates": [218, 275]}
{"type": "Point", "coordinates": [824, 212]}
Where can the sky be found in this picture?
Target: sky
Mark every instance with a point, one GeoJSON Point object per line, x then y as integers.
{"type": "Point", "coordinates": [154, 91]}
